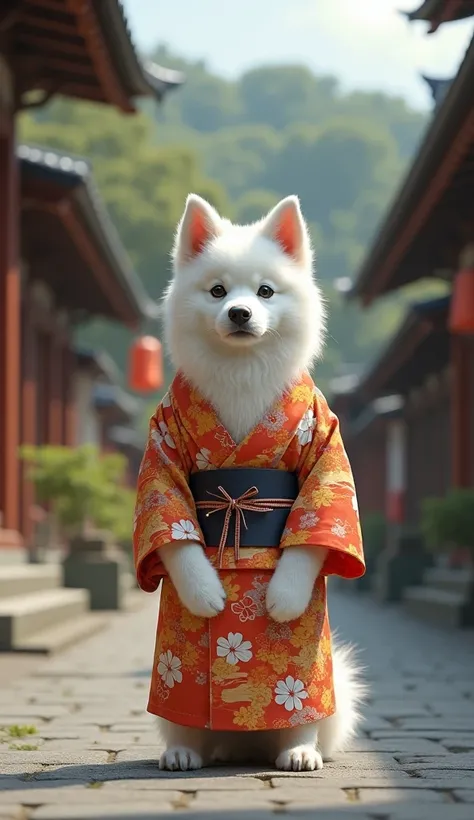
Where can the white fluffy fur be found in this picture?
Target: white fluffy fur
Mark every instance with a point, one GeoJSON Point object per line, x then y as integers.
{"type": "Point", "coordinates": [242, 376]}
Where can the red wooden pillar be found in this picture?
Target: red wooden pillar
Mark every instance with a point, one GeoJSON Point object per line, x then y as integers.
{"type": "Point", "coordinates": [69, 403]}
{"type": "Point", "coordinates": [28, 415]}
{"type": "Point", "coordinates": [460, 412]}
{"type": "Point", "coordinates": [55, 419]}
{"type": "Point", "coordinates": [9, 328]}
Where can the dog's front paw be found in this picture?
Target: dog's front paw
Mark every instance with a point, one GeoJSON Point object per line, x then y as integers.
{"type": "Point", "coordinates": [299, 759]}
{"type": "Point", "coordinates": [286, 602]}
{"type": "Point", "coordinates": [205, 600]}
{"type": "Point", "coordinates": [180, 758]}
{"type": "Point", "coordinates": [289, 592]}
{"type": "Point", "coordinates": [195, 579]}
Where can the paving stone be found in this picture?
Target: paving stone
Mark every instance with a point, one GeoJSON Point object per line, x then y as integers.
{"type": "Point", "coordinates": [410, 746]}
{"type": "Point", "coordinates": [371, 723]}
{"type": "Point", "coordinates": [426, 690]}
{"type": "Point", "coordinates": [446, 724]}
{"type": "Point", "coordinates": [109, 771]}
{"type": "Point", "coordinates": [458, 743]}
{"type": "Point", "coordinates": [362, 744]}
{"type": "Point", "coordinates": [297, 795]}
{"type": "Point", "coordinates": [459, 762]}
{"type": "Point", "coordinates": [449, 707]}
{"type": "Point", "coordinates": [348, 780]}
{"type": "Point", "coordinates": [427, 734]}
{"type": "Point", "coordinates": [81, 795]}
{"type": "Point", "coordinates": [391, 709]}
{"type": "Point", "coordinates": [464, 795]}
{"type": "Point", "coordinates": [14, 719]}
{"type": "Point", "coordinates": [188, 782]}
{"type": "Point", "coordinates": [108, 741]}
{"type": "Point", "coordinates": [144, 724]}
{"type": "Point", "coordinates": [17, 771]}
{"type": "Point", "coordinates": [415, 811]}
{"type": "Point", "coordinates": [367, 760]}
{"type": "Point", "coordinates": [443, 774]}
{"type": "Point", "coordinates": [12, 812]}
{"type": "Point", "coordinates": [220, 800]}
{"type": "Point", "coordinates": [14, 788]}
{"type": "Point", "coordinates": [388, 795]}
{"type": "Point", "coordinates": [42, 758]}
{"type": "Point", "coordinates": [151, 753]}
{"type": "Point", "coordinates": [443, 780]}
{"type": "Point", "coordinates": [30, 711]}
{"type": "Point", "coordinates": [104, 811]}
{"type": "Point", "coordinates": [80, 720]}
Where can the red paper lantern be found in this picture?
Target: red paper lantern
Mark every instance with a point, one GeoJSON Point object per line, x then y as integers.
{"type": "Point", "coordinates": [146, 365]}
{"type": "Point", "coordinates": [461, 314]}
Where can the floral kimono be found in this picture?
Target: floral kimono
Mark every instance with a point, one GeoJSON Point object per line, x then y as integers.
{"type": "Point", "coordinates": [241, 670]}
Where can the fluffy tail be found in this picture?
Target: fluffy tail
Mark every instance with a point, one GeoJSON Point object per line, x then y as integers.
{"type": "Point", "coordinates": [335, 732]}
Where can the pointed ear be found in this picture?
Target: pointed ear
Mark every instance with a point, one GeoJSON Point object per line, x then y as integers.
{"type": "Point", "coordinates": [200, 223]}
{"type": "Point", "coordinates": [286, 226]}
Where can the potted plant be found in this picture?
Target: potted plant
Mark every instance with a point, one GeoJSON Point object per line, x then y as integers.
{"type": "Point", "coordinates": [448, 525]}
{"type": "Point", "coordinates": [85, 495]}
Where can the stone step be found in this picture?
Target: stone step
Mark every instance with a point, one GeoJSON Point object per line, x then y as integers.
{"type": "Point", "coordinates": [21, 579]}
{"type": "Point", "coordinates": [23, 616]}
{"type": "Point", "coordinates": [450, 580]}
{"type": "Point", "coordinates": [436, 606]}
{"type": "Point", "coordinates": [63, 635]}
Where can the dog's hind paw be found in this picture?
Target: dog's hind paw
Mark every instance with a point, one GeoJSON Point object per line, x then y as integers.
{"type": "Point", "coordinates": [299, 759]}
{"type": "Point", "coordinates": [179, 758]}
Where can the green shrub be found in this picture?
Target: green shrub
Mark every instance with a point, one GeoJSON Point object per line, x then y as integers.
{"type": "Point", "coordinates": [374, 529]}
{"type": "Point", "coordinates": [81, 487]}
{"type": "Point", "coordinates": [449, 522]}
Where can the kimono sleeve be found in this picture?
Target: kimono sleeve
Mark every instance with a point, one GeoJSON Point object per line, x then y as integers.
{"type": "Point", "coordinates": [165, 510]}
{"type": "Point", "coordinates": [325, 513]}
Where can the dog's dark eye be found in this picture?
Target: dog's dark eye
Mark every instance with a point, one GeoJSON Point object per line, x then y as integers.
{"type": "Point", "coordinates": [265, 291]}
{"type": "Point", "coordinates": [218, 291]}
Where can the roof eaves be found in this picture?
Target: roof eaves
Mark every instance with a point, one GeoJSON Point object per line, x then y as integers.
{"type": "Point", "coordinates": [101, 360]}
{"type": "Point", "coordinates": [410, 325]}
{"type": "Point", "coordinates": [76, 174]}
{"type": "Point", "coordinates": [111, 395]}
{"type": "Point", "coordinates": [140, 79]}
{"type": "Point", "coordinates": [452, 111]}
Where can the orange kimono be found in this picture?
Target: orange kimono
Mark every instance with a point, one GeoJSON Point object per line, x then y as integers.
{"type": "Point", "coordinates": [241, 670]}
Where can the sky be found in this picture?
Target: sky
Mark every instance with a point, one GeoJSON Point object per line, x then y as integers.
{"type": "Point", "coordinates": [367, 44]}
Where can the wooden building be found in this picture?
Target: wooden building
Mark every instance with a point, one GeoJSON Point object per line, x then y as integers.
{"type": "Point", "coordinates": [437, 12]}
{"type": "Point", "coordinates": [60, 258]}
{"type": "Point", "coordinates": [428, 233]}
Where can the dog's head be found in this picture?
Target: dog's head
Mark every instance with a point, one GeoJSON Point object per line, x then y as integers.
{"type": "Point", "coordinates": [243, 291]}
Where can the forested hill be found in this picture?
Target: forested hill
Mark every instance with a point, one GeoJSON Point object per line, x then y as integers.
{"type": "Point", "coordinates": [243, 144]}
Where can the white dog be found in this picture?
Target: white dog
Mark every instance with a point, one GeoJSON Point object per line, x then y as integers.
{"type": "Point", "coordinates": [265, 269]}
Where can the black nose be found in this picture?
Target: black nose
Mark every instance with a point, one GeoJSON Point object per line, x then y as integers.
{"type": "Point", "coordinates": [240, 315]}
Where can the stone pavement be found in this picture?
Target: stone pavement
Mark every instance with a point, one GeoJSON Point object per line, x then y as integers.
{"type": "Point", "coordinates": [93, 752]}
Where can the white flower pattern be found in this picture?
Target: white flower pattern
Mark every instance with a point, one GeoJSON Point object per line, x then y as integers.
{"type": "Point", "coordinates": [306, 427]}
{"type": "Point", "coordinates": [163, 435]}
{"type": "Point", "coordinates": [309, 519]}
{"type": "Point", "coordinates": [203, 459]}
{"type": "Point", "coordinates": [234, 648]}
{"type": "Point", "coordinates": [289, 693]}
{"type": "Point", "coordinates": [339, 528]}
{"type": "Point", "coordinates": [184, 531]}
{"type": "Point", "coordinates": [169, 668]}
